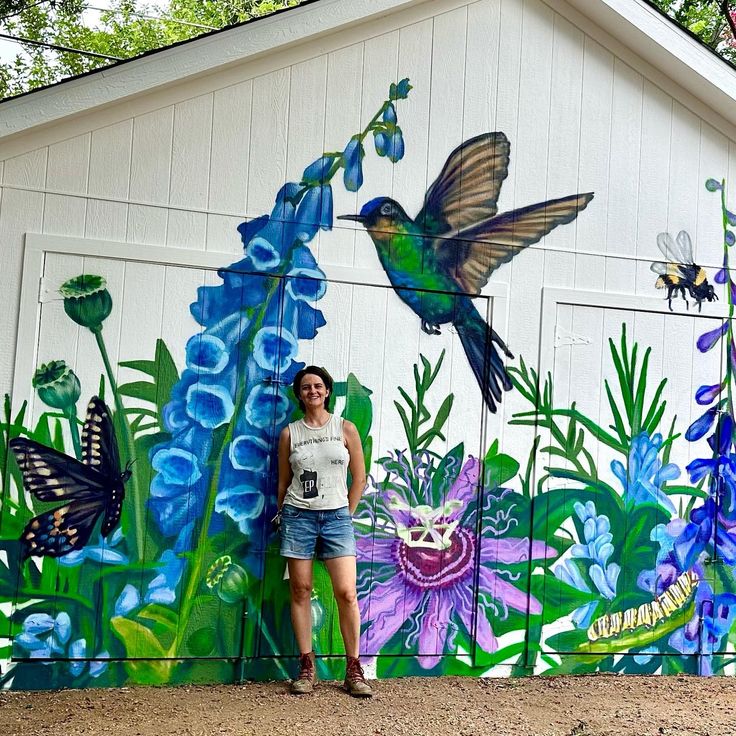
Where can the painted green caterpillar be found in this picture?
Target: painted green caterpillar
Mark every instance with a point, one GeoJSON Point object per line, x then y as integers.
{"type": "Point", "coordinates": [647, 614]}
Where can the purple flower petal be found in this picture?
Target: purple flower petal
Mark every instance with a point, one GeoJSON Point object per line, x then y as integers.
{"type": "Point", "coordinates": [512, 550]}
{"type": "Point", "coordinates": [502, 590]}
{"type": "Point", "coordinates": [435, 627]}
{"type": "Point", "coordinates": [375, 550]}
{"type": "Point", "coordinates": [721, 275]}
{"type": "Point", "coordinates": [465, 488]}
{"type": "Point", "coordinates": [386, 608]}
{"type": "Point", "coordinates": [701, 425]}
{"type": "Point", "coordinates": [707, 394]}
{"type": "Point", "coordinates": [708, 340]}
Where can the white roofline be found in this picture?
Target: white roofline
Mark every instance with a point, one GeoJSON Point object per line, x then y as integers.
{"type": "Point", "coordinates": [187, 60]}
{"type": "Point", "coordinates": [664, 45]}
{"type": "Point", "coordinates": [624, 26]}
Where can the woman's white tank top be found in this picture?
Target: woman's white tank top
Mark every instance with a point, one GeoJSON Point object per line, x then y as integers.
{"type": "Point", "coordinates": [319, 462]}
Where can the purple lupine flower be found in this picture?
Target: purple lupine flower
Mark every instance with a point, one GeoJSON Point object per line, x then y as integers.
{"type": "Point", "coordinates": [709, 340]}
{"type": "Point", "coordinates": [418, 565]}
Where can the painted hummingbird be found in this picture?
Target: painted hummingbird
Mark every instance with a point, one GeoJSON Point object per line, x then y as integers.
{"type": "Point", "coordinates": [439, 260]}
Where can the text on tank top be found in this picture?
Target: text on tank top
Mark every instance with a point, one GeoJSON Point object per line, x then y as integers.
{"type": "Point", "coordinates": [319, 463]}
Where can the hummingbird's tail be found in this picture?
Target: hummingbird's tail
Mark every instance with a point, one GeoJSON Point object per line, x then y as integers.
{"type": "Point", "coordinates": [477, 339]}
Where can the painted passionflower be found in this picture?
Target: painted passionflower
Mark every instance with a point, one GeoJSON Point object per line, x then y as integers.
{"type": "Point", "coordinates": [418, 564]}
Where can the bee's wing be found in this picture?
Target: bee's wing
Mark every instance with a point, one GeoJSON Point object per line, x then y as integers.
{"type": "Point", "coordinates": [679, 251]}
{"type": "Point", "coordinates": [667, 269]}
{"type": "Point", "coordinates": [685, 247]}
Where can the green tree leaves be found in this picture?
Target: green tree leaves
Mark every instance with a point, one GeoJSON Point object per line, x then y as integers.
{"type": "Point", "coordinates": [129, 28]}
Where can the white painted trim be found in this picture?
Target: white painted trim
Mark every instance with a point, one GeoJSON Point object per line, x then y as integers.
{"type": "Point", "coordinates": [553, 297]}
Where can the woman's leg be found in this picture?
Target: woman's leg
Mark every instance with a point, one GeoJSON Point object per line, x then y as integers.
{"type": "Point", "coordinates": [300, 584]}
{"type": "Point", "coordinates": [343, 575]}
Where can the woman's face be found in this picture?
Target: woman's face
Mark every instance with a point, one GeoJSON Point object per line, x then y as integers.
{"type": "Point", "coordinates": [312, 391]}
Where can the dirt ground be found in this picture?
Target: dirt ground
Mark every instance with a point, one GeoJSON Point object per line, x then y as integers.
{"type": "Point", "coordinates": [564, 706]}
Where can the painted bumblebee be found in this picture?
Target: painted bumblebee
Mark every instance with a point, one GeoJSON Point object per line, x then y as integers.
{"type": "Point", "coordinates": [680, 273]}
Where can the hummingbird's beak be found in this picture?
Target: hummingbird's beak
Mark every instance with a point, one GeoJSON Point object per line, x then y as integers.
{"type": "Point", "coordinates": [354, 218]}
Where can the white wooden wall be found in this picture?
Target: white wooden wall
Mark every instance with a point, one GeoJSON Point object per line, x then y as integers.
{"type": "Point", "coordinates": [183, 166]}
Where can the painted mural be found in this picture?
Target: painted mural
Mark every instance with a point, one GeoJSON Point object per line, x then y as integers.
{"type": "Point", "coordinates": [135, 545]}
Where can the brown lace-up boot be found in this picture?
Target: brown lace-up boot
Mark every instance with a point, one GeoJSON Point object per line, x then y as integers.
{"type": "Point", "coordinates": [355, 682]}
{"type": "Point", "coordinates": [304, 683]}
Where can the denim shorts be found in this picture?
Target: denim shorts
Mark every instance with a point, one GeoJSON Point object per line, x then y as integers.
{"type": "Point", "coordinates": [306, 533]}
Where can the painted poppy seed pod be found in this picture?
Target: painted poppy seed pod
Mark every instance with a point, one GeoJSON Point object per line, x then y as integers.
{"type": "Point", "coordinates": [228, 579]}
{"type": "Point", "coordinates": [57, 386]}
{"type": "Point", "coordinates": [87, 300]}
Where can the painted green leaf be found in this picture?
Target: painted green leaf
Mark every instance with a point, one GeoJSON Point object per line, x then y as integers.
{"type": "Point", "coordinates": [499, 469]}
{"type": "Point", "coordinates": [139, 641]}
{"type": "Point", "coordinates": [446, 472]}
{"type": "Point", "coordinates": [558, 599]}
{"type": "Point", "coordinates": [143, 390]}
{"type": "Point", "coordinates": [202, 641]}
{"type": "Point", "coordinates": [161, 615]}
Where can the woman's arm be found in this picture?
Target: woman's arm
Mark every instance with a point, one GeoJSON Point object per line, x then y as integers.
{"type": "Point", "coordinates": [357, 465]}
{"type": "Point", "coordinates": [285, 473]}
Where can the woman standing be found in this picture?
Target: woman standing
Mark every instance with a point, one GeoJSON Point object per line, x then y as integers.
{"type": "Point", "coordinates": [316, 510]}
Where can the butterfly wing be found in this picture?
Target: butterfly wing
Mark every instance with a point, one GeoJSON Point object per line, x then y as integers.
{"type": "Point", "coordinates": [477, 251]}
{"type": "Point", "coordinates": [52, 476]}
{"type": "Point", "coordinates": [60, 531]}
{"type": "Point", "coordinates": [99, 446]}
{"type": "Point", "coordinates": [100, 451]}
{"type": "Point", "coordinates": [466, 191]}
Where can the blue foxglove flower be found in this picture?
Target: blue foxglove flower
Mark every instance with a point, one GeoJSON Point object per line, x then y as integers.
{"type": "Point", "coordinates": [176, 466]}
{"type": "Point", "coordinates": [381, 142]}
{"type": "Point", "coordinates": [317, 171]}
{"type": "Point", "coordinates": [248, 452]}
{"type": "Point", "coordinates": [389, 114]}
{"type": "Point", "coordinates": [266, 405]}
{"type": "Point", "coordinates": [395, 151]}
{"type": "Point", "coordinates": [274, 349]}
{"type": "Point", "coordinates": [206, 354]}
{"type": "Point", "coordinates": [399, 91]}
{"type": "Point", "coordinates": [243, 504]}
{"type": "Point", "coordinates": [353, 158]}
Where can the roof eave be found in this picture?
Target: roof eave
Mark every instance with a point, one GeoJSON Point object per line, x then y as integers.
{"type": "Point", "coordinates": [188, 60]}
{"type": "Point", "coordinates": [668, 48]}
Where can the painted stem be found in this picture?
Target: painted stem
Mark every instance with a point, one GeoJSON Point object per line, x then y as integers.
{"type": "Point", "coordinates": [139, 505]}
{"type": "Point", "coordinates": [74, 430]}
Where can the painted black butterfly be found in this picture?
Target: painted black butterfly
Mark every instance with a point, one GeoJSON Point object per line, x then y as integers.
{"type": "Point", "coordinates": [89, 489]}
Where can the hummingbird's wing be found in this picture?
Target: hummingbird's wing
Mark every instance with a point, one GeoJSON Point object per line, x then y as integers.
{"type": "Point", "coordinates": [477, 251]}
{"type": "Point", "coordinates": [466, 190]}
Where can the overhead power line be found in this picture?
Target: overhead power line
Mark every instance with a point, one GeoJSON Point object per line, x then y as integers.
{"type": "Point", "coordinates": [56, 47]}
{"type": "Point", "coordinates": [153, 17]}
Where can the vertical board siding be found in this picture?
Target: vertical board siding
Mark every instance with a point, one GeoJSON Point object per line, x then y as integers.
{"type": "Point", "coordinates": [342, 120]}
{"type": "Point", "coordinates": [578, 119]}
